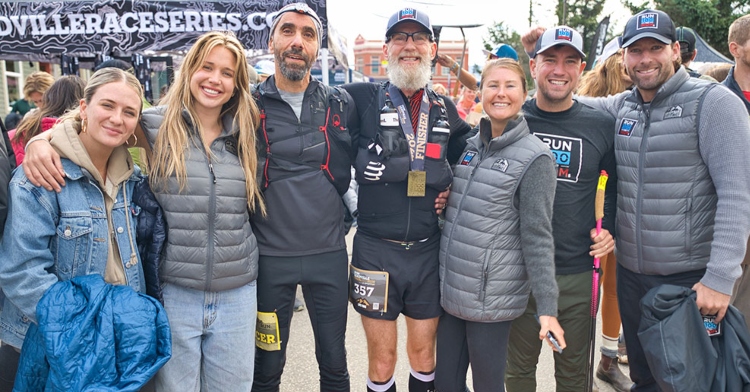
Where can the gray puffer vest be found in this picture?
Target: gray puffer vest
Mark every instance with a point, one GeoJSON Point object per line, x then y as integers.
{"type": "Point", "coordinates": [666, 200]}
{"type": "Point", "coordinates": [210, 244]}
{"type": "Point", "coordinates": [482, 272]}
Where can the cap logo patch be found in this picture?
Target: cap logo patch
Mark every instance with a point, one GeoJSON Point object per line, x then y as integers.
{"type": "Point", "coordinates": [647, 21]}
{"type": "Point", "coordinates": [407, 13]}
{"type": "Point", "coordinates": [564, 35]}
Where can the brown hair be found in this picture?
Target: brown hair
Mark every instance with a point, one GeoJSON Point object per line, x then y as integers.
{"type": "Point", "coordinates": [739, 30]}
{"type": "Point", "coordinates": [506, 63]}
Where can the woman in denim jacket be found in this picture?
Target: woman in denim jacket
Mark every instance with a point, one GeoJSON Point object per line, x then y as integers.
{"type": "Point", "coordinates": [89, 226]}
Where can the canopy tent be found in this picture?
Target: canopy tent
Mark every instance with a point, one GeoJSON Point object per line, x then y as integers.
{"type": "Point", "coordinates": [45, 30]}
{"type": "Point", "coordinates": [707, 54]}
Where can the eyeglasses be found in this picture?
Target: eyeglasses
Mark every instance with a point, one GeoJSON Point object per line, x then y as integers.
{"type": "Point", "coordinates": [420, 37]}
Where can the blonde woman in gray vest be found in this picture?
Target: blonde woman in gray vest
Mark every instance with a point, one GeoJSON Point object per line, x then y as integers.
{"type": "Point", "coordinates": [497, 245]}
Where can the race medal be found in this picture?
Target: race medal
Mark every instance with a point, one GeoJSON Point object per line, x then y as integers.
{"type": "Point", "coordinates": [368, 290]}
{"type": "Point", "coordinates": [416, 183]}
{"type": "Point", "coordinates": [267, 332]}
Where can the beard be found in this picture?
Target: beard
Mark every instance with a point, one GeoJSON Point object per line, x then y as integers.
{"type": "Point", "coordinates": [293, 72]}
{"type": "Point", "coordinates": [409, 78]}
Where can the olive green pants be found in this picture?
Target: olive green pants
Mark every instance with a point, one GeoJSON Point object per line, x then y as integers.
{"type": "Point", "coordinates": [574, 315]}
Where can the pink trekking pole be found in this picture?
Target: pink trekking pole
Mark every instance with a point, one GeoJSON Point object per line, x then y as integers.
{"type": "Point", "coordinates": [598, 214]}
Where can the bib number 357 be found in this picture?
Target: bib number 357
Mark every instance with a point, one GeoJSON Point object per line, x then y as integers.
{"type": "Point", "coordinates": [368, 290]}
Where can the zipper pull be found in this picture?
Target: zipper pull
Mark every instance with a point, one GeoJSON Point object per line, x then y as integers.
{"type": "Point", "coordinates": [211, 169]}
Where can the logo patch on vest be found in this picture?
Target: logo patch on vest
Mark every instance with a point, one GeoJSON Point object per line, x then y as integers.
{"type": "Point", "coordinates": [673, 112]}
{"type": "Point", "coordinates": [500, 164]}
{"type": "Point", "coordinates": [231, 146]}
{"type": "Point", "coordinates": [466, 160]}
{"type": "Point", "coordinates": [626, 127]}
{"type": "Point", "coordinates": [568, 153]}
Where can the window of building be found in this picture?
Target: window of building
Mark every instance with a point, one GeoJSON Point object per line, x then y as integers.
{"type": "Point", "coordinates": [360, 65]}
{"type": "Point", "coordinates": [375, 65]}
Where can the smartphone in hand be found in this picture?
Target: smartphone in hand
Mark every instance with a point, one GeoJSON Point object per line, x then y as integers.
{"type": "Point", "coordinates": [551, 337]}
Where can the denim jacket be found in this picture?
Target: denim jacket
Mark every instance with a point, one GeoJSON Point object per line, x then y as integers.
{"type": "Point", "coordinates": [51, 237]}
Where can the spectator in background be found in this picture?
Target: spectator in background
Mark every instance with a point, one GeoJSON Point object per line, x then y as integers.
{"type": "Point", "coordinates": [64, 95]}
{"type": "Point", "coordinates": [466, 101]}
{"type": "Point", "coordinates": [33, 88]}
{"type": "Point", "coordinates": [608, 76]}
{"type": "Point", "coordinates": [687, 39]}
{"type": "Point", "coordinates": [439, 89]}
{"type": "Point", "coordinates": [719, 71]}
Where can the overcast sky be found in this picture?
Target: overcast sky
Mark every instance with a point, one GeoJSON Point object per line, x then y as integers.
{"type": "Point", "coordinates": [369, 17]}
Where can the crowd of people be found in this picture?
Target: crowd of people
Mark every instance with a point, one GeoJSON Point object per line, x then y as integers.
{"type": "Point", "coordinates": [481, 220]}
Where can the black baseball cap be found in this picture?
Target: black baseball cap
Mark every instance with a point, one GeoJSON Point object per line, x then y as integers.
{"type": "Point", "coordinates": [687, 37]}
{"type": "Point", "coordinates": [408, 14]}
{"type": "Point", "coordinates": [649, 24]}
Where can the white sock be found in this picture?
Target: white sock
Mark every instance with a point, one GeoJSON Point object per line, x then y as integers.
{"type": "Point", "coordinates": [380, 387]}
{"type": "Point", "coordinates": [422, 377]}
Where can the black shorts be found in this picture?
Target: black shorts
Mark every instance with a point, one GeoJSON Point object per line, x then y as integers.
{"type": "Point", "coordinates": [414, 281]}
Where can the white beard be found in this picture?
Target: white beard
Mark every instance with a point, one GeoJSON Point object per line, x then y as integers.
{"type": "Point", "coordinates": [409, 79]}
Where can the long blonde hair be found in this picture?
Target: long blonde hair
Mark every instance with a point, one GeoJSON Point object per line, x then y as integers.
{"type": "Point", "coordinates": [605, 79]}
{"type": "Point", "coordinates": [174, 133]}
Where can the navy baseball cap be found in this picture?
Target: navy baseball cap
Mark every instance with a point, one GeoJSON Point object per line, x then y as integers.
{"type": "Point", "coordinates": [502, 51]}
{"type": "Point", "coordinates": [560, 35]}
{"type": "Point", "coordinates": [649, 24]}
{"type": "Point", "coordinates": [408, 14]}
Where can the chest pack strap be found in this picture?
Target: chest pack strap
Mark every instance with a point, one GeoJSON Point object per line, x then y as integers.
{"type": "Point", "coordinates": [335, 121]}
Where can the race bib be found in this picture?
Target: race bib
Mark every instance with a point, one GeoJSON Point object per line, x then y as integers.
{"type": "Point", "coordinates": [368, 290]}
{"type": "Point", "coordinates": [267, 332]}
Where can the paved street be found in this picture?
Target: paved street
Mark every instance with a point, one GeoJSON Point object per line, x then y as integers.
{"type": "Point", "coordinates": [301, 372]}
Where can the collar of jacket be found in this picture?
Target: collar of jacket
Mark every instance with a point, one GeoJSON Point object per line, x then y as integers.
{"type": "Point", "coordinates": [515, 130]}
{"type": "Point", "coordinates": [732, 84]}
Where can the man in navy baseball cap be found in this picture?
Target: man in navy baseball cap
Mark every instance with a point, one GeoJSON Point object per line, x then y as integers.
{"type": "Point", "coordinates": [649, 24]}
{"type": "Point", "coordinates": [405, 15]}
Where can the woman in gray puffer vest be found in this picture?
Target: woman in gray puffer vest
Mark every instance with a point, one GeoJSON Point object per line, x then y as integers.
{"type": "Point", "coordinates": [497, 243]}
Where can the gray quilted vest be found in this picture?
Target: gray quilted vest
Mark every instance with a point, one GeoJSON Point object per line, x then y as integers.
{"type": "Point", "coordinates": [666, 200]}
{"type": "Point", "coordinates": [482, 272]}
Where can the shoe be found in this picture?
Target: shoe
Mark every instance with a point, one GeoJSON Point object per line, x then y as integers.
{"type": "Point", "coordinates": [614, 376]}
{"type": "Point", "coordinates": [298, 305]}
